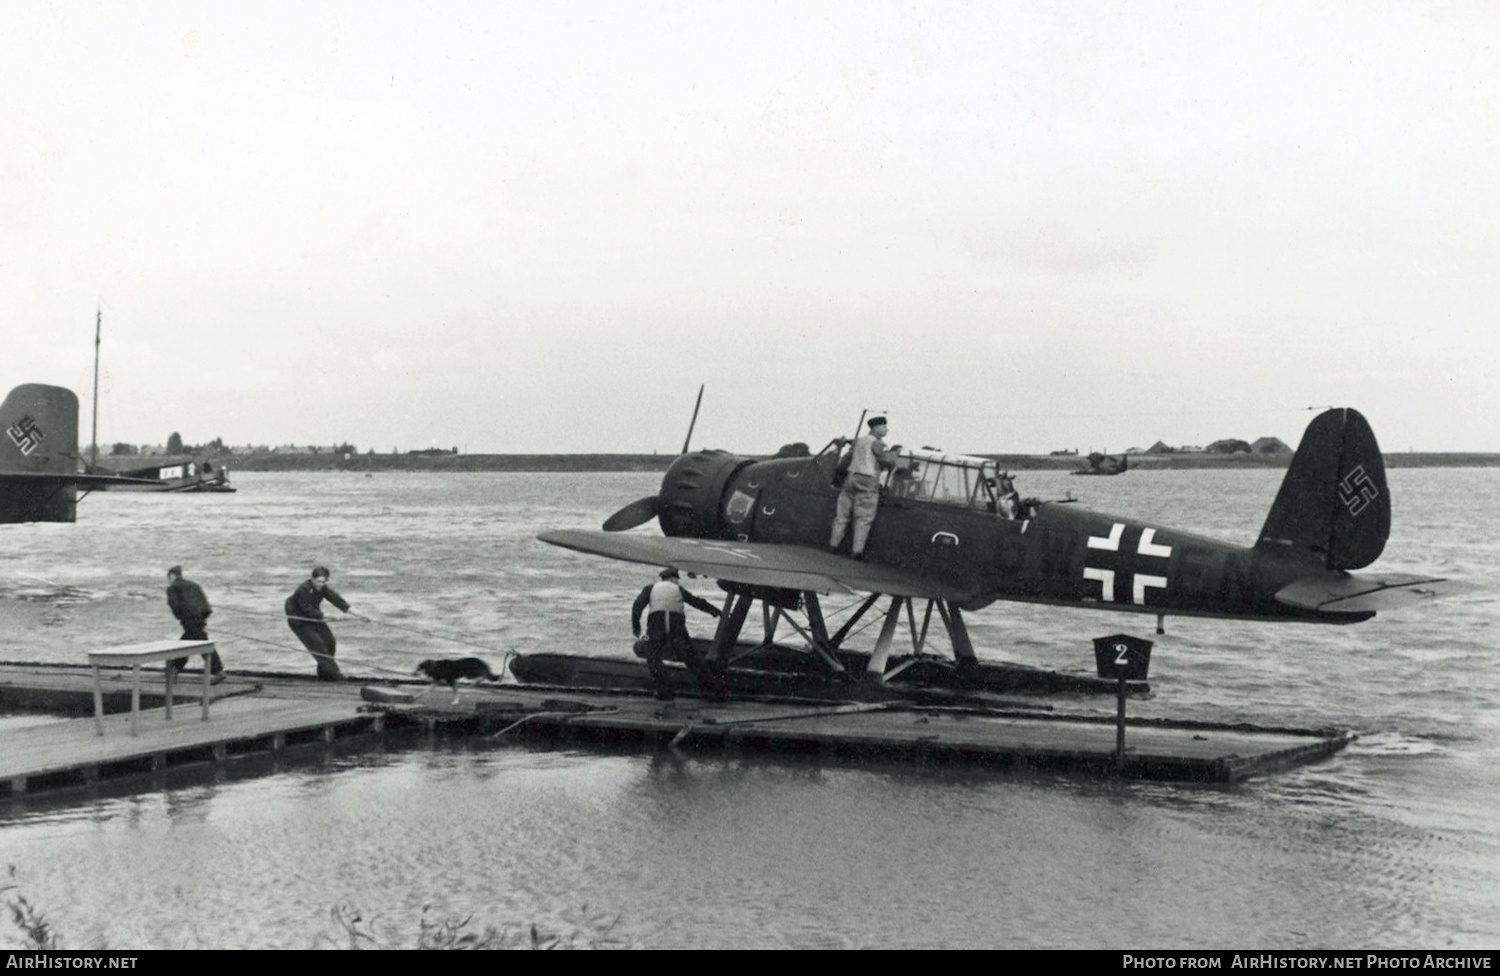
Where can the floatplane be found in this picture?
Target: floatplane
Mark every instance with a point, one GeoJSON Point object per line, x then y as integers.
{"type": "Point", "coordinates": [944, 537]}
{"type": "Point", "coordinates": [40, 465]}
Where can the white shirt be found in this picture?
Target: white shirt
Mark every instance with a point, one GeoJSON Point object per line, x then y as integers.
{"type": "Point", "coordinates": [667, 596]}
{"type": "Point", "coordinates": [869, 454]}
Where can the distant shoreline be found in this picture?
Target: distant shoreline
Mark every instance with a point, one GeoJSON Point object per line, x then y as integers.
{"type": "Point", "coordinates": [602, 463]}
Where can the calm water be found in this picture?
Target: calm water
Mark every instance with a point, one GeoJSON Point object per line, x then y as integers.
{"type": "Point", "coordinates": [1393, 843]}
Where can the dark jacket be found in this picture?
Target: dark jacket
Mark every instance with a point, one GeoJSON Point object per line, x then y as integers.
{"type": "Point", "coordinates": [307, 601]}
{"type": "Point", "coordinates": [187, 602]}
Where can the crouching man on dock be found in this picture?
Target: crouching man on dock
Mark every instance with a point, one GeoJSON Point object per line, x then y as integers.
{"type": "Point", "coordinates": [304, 614]}
{"type": "Point", "coordinates": [666, 626]}
{"type": "Point", "coordinates": [190, 606]}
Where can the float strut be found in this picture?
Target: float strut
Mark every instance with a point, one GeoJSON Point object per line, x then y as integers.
{"type": "Point", "coordinates": [958, 633]}
{"type": "Point", "coordinates": [820, 644]}
{"type": "Point", "coordinates": [730, 624]}
{"type": "Point", "coordinates": [838, 638]}
{"type": "Point", "coordinates": [882, 653]}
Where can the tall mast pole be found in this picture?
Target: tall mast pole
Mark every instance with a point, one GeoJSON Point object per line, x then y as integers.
{"type": "Point", "coordinates": [98, 324]}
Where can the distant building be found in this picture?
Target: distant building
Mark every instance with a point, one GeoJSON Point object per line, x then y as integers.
{"type": "Point", "coordinates": [311, 449]}
{"type": "Point", "coordinates": [1161, 447]}
{"type": "Point", "coordinates": [1269, 445]}
{"type": "Point", "coordinates": [1229, 445]}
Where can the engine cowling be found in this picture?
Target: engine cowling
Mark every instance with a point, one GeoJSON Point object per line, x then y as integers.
{"type": "Point", "coordinates": [691, 500]}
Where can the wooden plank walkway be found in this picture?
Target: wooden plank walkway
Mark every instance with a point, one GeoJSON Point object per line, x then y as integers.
{"type": "Point", "coordinates": [72, 750]}
{"type": "Point", "coordinates": [257, 712]}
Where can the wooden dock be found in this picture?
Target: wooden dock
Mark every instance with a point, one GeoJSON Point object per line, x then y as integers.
{"type": "Point", "coordinates": [893, 731]}
{"type": "Point", "coordinates": [71, 752]}
{"type": "Point", "coordinates": [256, 714]}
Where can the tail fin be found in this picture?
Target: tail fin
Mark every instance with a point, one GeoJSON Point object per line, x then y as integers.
{"type": "Point", "coordinates": [41, 430]}
{"type": "Point", "coordinates": [38, 454]}
{"type": "Point", "coordinates": [1333, 504]}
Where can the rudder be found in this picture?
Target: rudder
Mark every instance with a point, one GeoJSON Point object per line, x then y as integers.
{"type": "Point", "coordinates": [38, 450]}
{"type": "Point", "coordinates": [41, 430]}
{"type": "Point", "coordinates": [1333, 504]}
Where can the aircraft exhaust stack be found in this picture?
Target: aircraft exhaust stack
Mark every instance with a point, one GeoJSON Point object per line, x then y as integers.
{"type": "Point", "coordinates": [1333, 505]}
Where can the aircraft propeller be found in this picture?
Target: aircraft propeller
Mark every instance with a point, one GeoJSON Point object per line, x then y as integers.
{"type": "Point", "coordinates": [638, 512]}
{"type": "Point", "coordinates": [643, 510]}
{"type": "Point", "coordinates": [694, 422]}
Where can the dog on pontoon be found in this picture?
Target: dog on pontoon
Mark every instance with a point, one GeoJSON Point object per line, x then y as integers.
{"type": "Point", "coordinates": [453, 670]}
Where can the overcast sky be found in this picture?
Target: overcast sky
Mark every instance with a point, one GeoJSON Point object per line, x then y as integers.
{"type": "Point", "coordinates": [538, 227]}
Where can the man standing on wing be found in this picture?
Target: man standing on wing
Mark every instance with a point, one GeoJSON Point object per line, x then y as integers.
{"type": "Point", "coordinates": [860, 495]}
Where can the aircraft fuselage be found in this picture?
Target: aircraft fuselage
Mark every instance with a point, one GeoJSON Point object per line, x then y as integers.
{"type": "Point", "coordinates": [1053, 552]}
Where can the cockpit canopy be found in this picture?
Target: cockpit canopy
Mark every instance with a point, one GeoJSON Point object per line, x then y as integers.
{"type": "Point", "coordinates": [961, 480]}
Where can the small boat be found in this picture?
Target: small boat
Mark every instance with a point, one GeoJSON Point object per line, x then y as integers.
{"type": "Point", "coordinates": [178, 475]}
{"type": "Point", "coordinates": [1097, 463]}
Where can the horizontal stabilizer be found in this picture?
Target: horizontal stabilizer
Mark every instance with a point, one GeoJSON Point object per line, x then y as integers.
{"type": "Point", "coordinates": [1364, 593]}
{"type": "Point", "coordinates": [89, 481]}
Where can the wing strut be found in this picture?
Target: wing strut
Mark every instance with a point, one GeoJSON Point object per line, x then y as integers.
{"type": "Point", "coordinates": [737, 609]}
{"type": "Point", "coordinates": [818, 639]}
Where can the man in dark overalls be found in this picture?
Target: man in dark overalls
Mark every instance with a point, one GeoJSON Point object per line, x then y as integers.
{"type": "Point", "coordinates": [304, 614]}
{"type": "Point", "coordinates": [666, 626]}
{"type": "Point", "coordinates": [190, 606]}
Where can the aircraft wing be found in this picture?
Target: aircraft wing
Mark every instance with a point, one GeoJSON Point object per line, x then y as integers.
{"type": "Point", "coordinates": [754, 563]}
{"type": "Point", "coordinates": [81, 480]}
{"type": "Point", "coordinates": [1362, 592]}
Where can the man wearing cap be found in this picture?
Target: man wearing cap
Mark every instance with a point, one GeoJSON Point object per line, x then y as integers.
{"type": "Point", "coordinates": [666, 625]}
{"type": "Point", "coordinates": [304, 614]}
{"type": "Point", "coordinates": [189, 605]}
{"type": "Point", "coordinates": [860, 495]}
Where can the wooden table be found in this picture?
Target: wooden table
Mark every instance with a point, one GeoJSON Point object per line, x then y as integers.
{"type": "Point", "coordinates": [137, 654]}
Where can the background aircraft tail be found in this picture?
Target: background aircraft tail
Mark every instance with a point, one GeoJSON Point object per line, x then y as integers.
{"type": "Point", "coordinates": [1333, 504]}
{"type": "Point", "coordinates": [38, 454]}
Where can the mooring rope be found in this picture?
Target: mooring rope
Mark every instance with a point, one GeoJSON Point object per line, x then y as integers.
{"type": "Point", "coordinates": [372, 620]}
{"type": "Point", "coordinates": [505, 659]}
{"type": "Point", "coordinates": [360, 660]}
{"type": "Point", "coordinates": [436, 636]}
